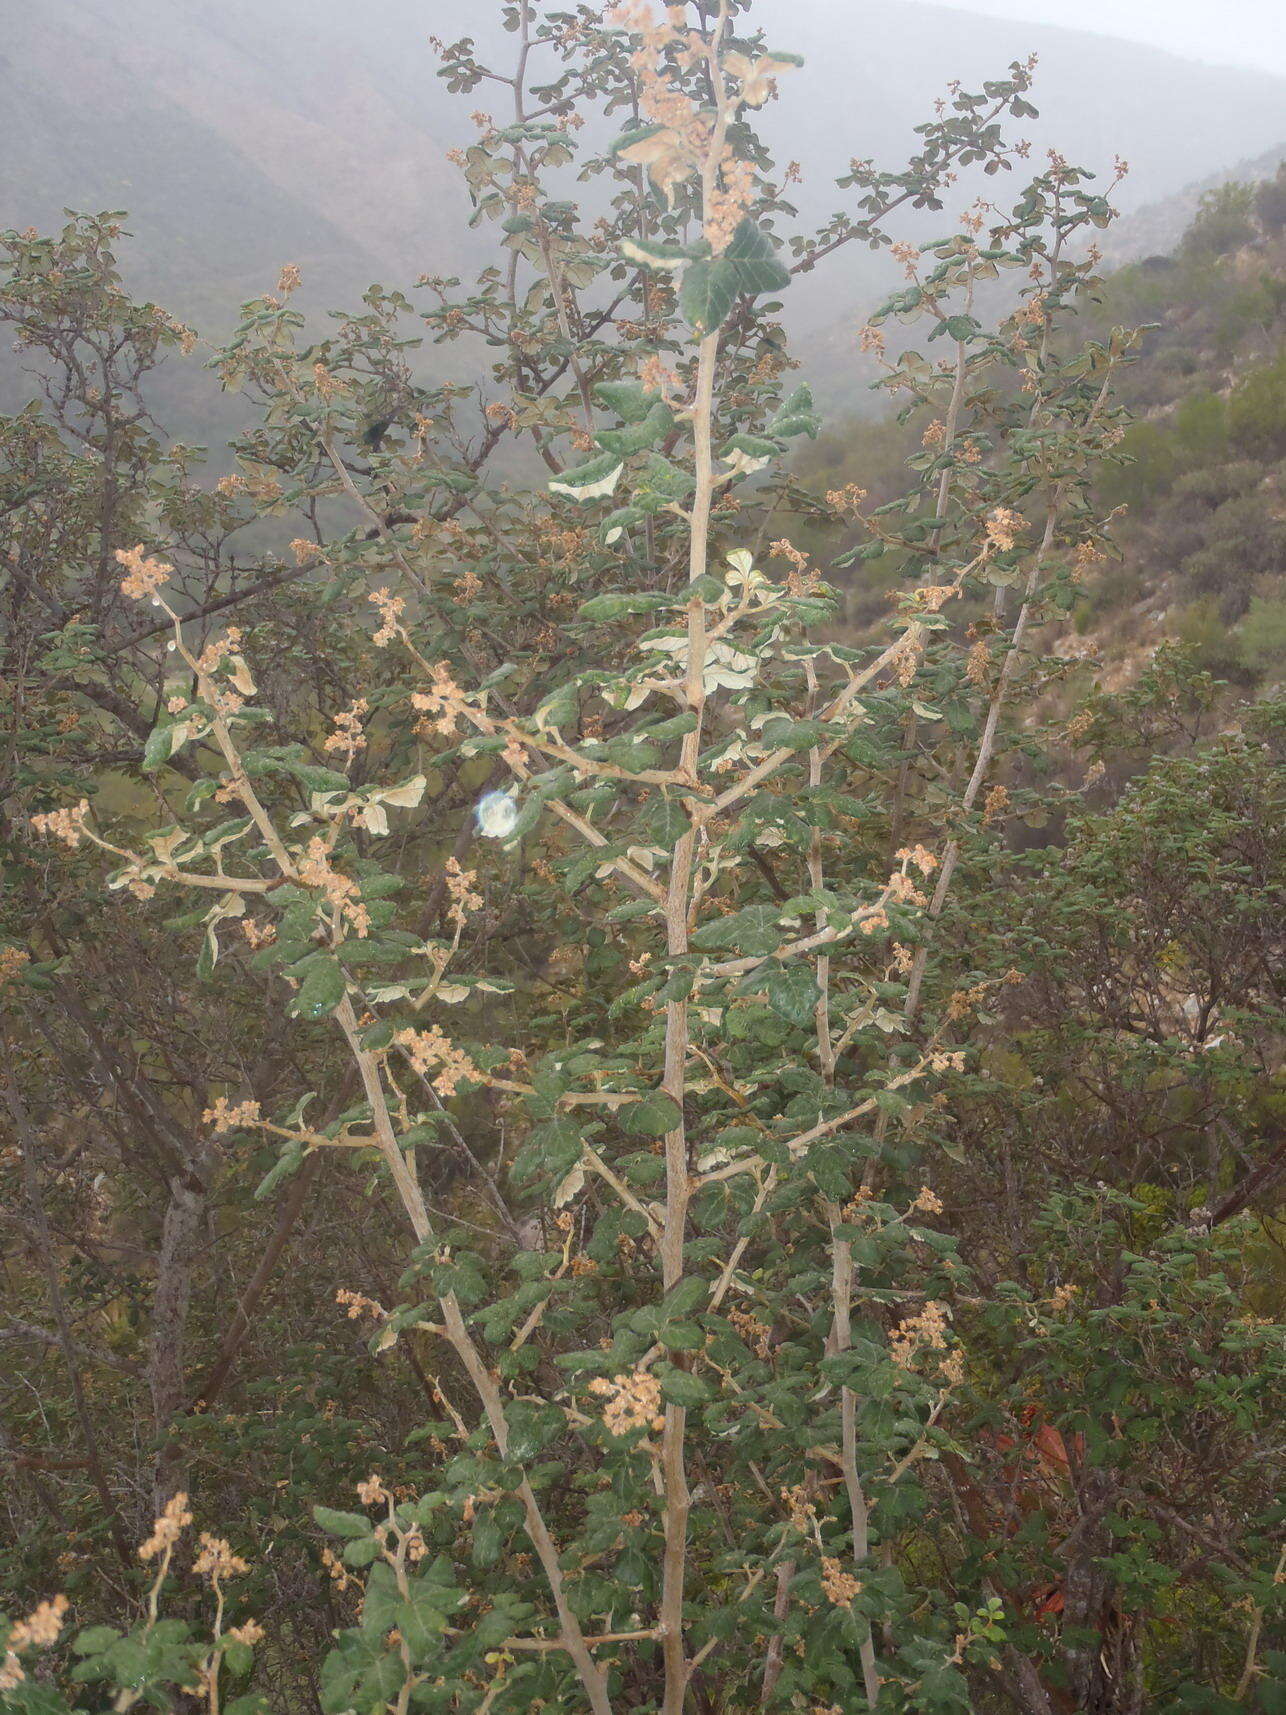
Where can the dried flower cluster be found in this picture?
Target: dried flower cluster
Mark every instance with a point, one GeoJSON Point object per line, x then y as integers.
{"type": "Point", "coordinates": [348, 737]}
{"type": "Point", "coordinates": [840, 1586]}
{"type": "Point", "coordinates": [341, 891]}
{"type": "Point", "coordinates": [460, 885]}
{"type": "Point", "coordinates": [168, 1528]}
{"type": "Point", "coordinates": [631, 1401]}
{"type": "Point", "coordinates": [216, 1560]}
{"type": "Point", "coordinates": [445, 703]}
{"type": "Point", "coordinates": [359, 1304]}
{"type": "Point", "coordinates": [427, 1049]}
{"type": "Point", "coordinates": [226, 1116]}
{"type": "Point", "coordinates": [67, 824]}
{"type": "Point", "coordinates": [1004, 528]}
{"type": "Point", "coordinates": [390, 608]}
{"type": "Point", "coordinates": [143, 577]}
{"type": "Point", "coordinates": [920, 1341]}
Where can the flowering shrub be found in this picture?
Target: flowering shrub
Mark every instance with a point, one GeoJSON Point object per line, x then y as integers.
{"type": "Point", "coordinates": [691, 1338]}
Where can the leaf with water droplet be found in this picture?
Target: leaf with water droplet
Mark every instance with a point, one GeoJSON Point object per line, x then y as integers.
{"type": "Point", "coordinates": [321, 991]}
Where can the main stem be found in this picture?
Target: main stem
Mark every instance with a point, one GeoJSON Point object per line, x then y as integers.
{"type": "Point", "coordinates": [677, 1176]}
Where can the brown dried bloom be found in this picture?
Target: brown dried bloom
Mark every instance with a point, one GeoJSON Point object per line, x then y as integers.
{"type": "Point", "coordinates": [224, 1117]}
{"type": "Point", "coordinates": [933, 596]}
{"type": "Point", "coordinates": [755, 1333]}
{"type": "Point", "coordinates": [729, 202]}
{"type": "Point", "coordinates": [840, 1586]}
{"type": "Point", "coordinates": [1087, 556]}
{"type": "Point", "coordinates": [925, 1331]}
{"type": "Point", "coordinates": [426, 1049]}
{"type": "Point", "coordinates": [908, 659]}
{"type": "Point", "coordinates": [801, 1509]}
{"type": "Point", "coordinates": [631, 1401]}
{"type": "Point", "coordinates": [67, 824]}
{"type": "Point", "coordinates": [919, 857]}
{"type": "Point", "coordinates": [846, 499]}
{"type": "Point", "coordinates": [348, 735]}
{"type": "Point", "coordinates": [41, 1627]}
{"type": "Point", "coordinates": [143, 577]}
{"type": "Point", "coordinates": [446, 702]}
{"type": "Point", "coordinates": [289, 280]}
{"type": "Point", "coordinates": [358, 1304]}
{"type": "Point", "coordinates": [372, 1491]}
{"type": "Point", "coordinates": [258, 935]}
{"type": "Point", "coordinates": [249, 1632]}
{"type": "Point", "coordinates": [903, 889]}
{"type": "Point", "coordinates": [1004, 528]}
{"type": "Point", "coordinates": [995, 804]}
{"type": "Point", "coordinates": [168, 1528]}
{"type": "Point", "coordinates": [390, 608]}
{"type": "Point", "coordinates": [926, 1202]}
{"type": "Point", "coordinates": [335, 1566]}
{"type": "Point", "coordinates": [216, 1559]}
{"type": "Point", "coordinates": [341, 891]}
{"type": "Point", "coordinates": [943, 1060]}
{"type": "Point", "coordinates": [460, 887]}
{"type": "Point", "coordinates": [656, 378]}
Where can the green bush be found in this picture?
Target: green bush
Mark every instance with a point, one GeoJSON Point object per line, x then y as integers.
{"type": "Point", "coordinates": [1261, 636]}
{"type": "Point", "coordinates": [1257, 412]}
{"type": "Point", "coordinates": [1223, 221]}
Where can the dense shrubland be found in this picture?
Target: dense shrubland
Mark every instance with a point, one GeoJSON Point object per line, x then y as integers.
{"type": "Point", "coordinates": [583, 1130]}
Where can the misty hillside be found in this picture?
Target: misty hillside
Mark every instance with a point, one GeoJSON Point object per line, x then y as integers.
{"type": "Point", "coordinates": [1158, 228]}
{"type": "Point", "coordinates": [231, 150]}
{"type": "Point", "coordinates": [239, 135]}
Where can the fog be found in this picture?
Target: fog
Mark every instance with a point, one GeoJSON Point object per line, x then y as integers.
{"type": "Point", "coordinates": [1220, 32]}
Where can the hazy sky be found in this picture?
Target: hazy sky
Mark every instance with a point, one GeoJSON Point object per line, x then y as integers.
{"type": "Point", "coordinates": [1223, 32]}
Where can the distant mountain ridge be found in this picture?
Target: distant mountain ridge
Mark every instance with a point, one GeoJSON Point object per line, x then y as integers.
{"type": "Point", "coordinates": [241, 134]}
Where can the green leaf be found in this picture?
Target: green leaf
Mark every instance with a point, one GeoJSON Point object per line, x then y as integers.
{"type": "Point", "coordinates": [749, 265]}
{"type": "Point", "coordinates": [754, 258]}
{"type": "Point", "coordinates": [321, 990]}
{"type": "Point", "coordinates": [793, 993]}
{"type": "Point", "coordinates": [681, 1387]}
{"type": "Point", "coordinates": [629, 399]}
{"type": "Point", "coordinates": [639, 436]}
{"type": "Point", "coordinates": [95, 1639]}
{"type": "Point", "coordinates": [615, 604]}
{"type": "Point", "coordinates": [655, 1115]}
{"type": "Point", "coordinates": [681, 1336]}
{"type": "Point", "coordinates": [163, 742]}
{"type": "Point", "coordinates": [962, 327]}
{"type": "Point", "coordinates": [648, 253]}
{"type": "Point", "coordinates": [342, 1524]}
{"type": "Point", "coordinates": [617, 523]}
{"type": "Point", "coordinates": [796, 417]}
{"type": "Point", "coordinates": [590, 481]}
{"type": "Point", "coordinates": [707, 294]}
